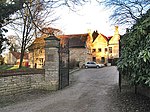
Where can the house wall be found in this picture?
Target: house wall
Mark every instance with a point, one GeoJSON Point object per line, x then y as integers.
{"type": "Point", "coordinates": [115, 51]}
{"type": "Point", "coordinates": [24, 63]}
{"type": "Point", "coordinates": [37, 58]}
{"type": "Point", "coordinates": [10, 59]}
{"type": "Point", "coordinates": [79, 54]}
{"type": "Point", "coordinates": [31, 59]}
{"type": "Point", "coordinates": [114, 43]}
{"type": "Point", "coordinates": [99, 43]}
{"type": "Point", "coordinates": [103, 49]}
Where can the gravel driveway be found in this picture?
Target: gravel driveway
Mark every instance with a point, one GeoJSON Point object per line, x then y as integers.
{"type": "Point", "coordinates": [91, 90]}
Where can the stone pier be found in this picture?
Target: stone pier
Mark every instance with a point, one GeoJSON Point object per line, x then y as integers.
{"type": "Point", "coordinates": [52, 63]}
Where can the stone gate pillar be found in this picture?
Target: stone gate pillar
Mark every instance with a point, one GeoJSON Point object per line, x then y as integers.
{"type": "Point", "coordinates": [52, 62]}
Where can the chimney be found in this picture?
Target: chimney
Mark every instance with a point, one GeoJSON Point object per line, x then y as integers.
{"type": "Point", "coordinates": [116, 33]}
{"type": "Point", "coordinates": [116, 30]}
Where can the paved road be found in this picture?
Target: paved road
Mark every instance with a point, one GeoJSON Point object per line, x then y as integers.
{"type": "Point", "coordinates": [91, 90]}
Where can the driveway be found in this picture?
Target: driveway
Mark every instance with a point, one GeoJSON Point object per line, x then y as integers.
{"type": "Point", "coordinates": [91, 90]}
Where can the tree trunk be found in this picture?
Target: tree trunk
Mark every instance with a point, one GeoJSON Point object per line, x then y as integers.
{"type": "Point", "coordinates": [21, 57]}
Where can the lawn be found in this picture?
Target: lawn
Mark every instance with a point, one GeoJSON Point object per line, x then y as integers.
{"type": "Point", "coordinates": [10, 67]}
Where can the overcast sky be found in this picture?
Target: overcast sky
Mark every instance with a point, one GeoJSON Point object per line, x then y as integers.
{"type": "Point", "coordinates": [91, 16]}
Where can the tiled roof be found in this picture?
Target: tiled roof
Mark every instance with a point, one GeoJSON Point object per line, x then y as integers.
{"type": "Point", "coordinates": [38, 42]}
{"type": "Point", "coordinates": [104, 37]}
{"type": "Point", "coordinates": [47, 31]}
{"type": "Point", "coordinates": [94, 35]}
{"type": "Point", "coordinates": [75, 40]}
{"type": "Point", "coordinates": [109, 37]}
{"type": "Point", "coordinates": [72, 35]}
{"type": "Point", "coordinates": [40, 39]}
{"type": "Point", "coordinates": [17, 55]}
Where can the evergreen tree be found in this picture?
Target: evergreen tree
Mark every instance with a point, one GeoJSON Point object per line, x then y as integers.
{"type": "Point", "coordinates": [135, 52]}
{"type": "Point", "coordinates": [7, 8]}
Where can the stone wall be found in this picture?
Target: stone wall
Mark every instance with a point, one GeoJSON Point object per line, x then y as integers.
{"type": "Point", "coordinates": [52, 62]}
{"type": "Point", "coordinates": [23, 83]}
{"type": "Point", "coordinates": [79, 54]}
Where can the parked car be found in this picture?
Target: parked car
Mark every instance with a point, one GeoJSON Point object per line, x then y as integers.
{"type": "Point", "coordinates": [91, 64]}
{"type": "Point", "coordinates": [101, 65]}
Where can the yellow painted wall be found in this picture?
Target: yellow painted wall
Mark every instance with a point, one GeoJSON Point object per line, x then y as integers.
{"type": "Point", "coordinates": [37, 57]}
{"type": "Point", "coordinates": [104, 44]}
{"type": "Point", "coordinates": [114, 43]}
{"type": "Point", "coordinates": [99, 43]}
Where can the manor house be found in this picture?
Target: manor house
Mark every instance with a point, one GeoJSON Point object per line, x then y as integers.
{"type": "Point", "coordinates": [91, 46]}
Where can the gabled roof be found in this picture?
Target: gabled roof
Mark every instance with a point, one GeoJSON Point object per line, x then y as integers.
{"type": "Point", "coordinates": [38, 42]}
{"type": "Point", "coordinates": [73, 35]}
{"type": "Point", "coordinates": [40, 39]}
{"type": "Point", "coordinates": [95, 35]}
{"type": "Point", "coordinates": [75, 40]}
{"type": "Point", "coordinates": [109, 37]}
{"type": "Point", "coordinates": [17, 55]}
{"type": "Point", "coordinates": [104, 37]}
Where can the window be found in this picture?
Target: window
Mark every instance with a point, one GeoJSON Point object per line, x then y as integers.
{"type": "Point", "coordinates": [94, 59]}
{"type": "Point", "coordinates": [41, 60]}
{"type": "Point", "coordinates": [105, 49]}
{"type": "Point", "coordinates": [99, 50]}
{"type": "Point", "coordinates": [110, 49]}
{"type": "Point", "coordinates": [102, 59]}
{"type": "Point", "coordinates": [93, 50]}
{"type": "Point", "coordinates": [41, 51]}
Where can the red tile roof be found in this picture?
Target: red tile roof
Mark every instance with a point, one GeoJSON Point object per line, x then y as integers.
{"type": "Point", "coordinates": [104, 37]}
{"type": "Point", "coordinates": [109, 37]}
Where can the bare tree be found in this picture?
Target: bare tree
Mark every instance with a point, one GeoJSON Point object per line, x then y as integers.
{"type": "Point", "coordinates": [36, 15]}
{"type": "Point", "coordinates": [126, 11]}
{"type": "Point", "coordinates": [13, 43]}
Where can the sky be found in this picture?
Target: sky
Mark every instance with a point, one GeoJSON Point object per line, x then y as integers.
{"type": "Point", "coordinates": [91, 16]}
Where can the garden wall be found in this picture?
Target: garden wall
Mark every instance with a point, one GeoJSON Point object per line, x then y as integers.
{"type": "Point", "coordinates": [144, 91]}
{"type": "Point", "coordinates": [24, 82]}
{"type": "Point", "coordinates": [140, 89]}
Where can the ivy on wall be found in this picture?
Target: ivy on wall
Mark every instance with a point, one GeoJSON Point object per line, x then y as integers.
{"type": "Point", "coordinates": [134, 61]}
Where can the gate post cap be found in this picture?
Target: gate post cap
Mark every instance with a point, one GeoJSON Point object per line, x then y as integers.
{"type": "Point", "coordinates": [52, 37]}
